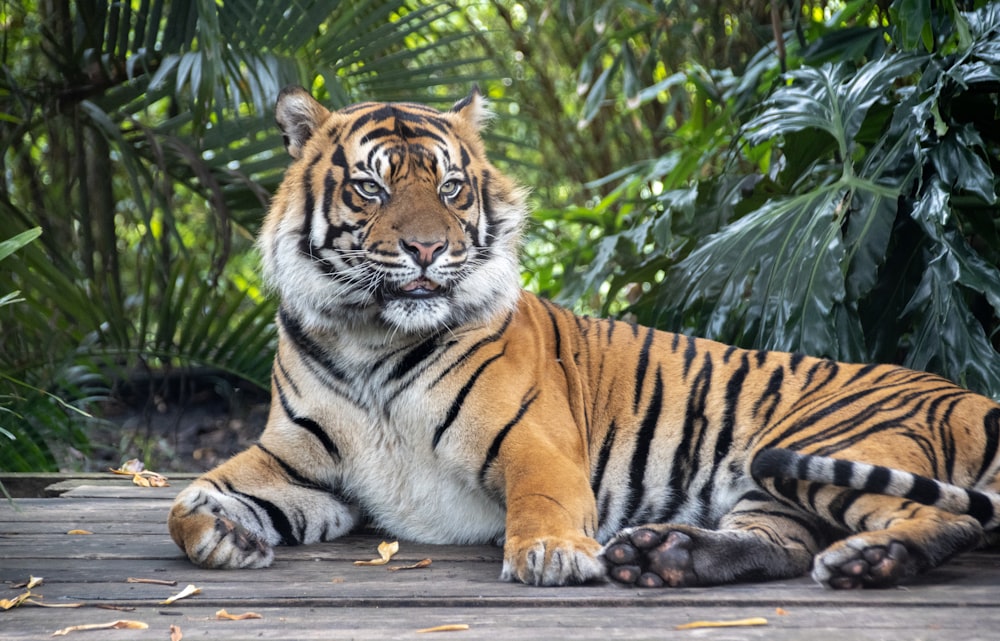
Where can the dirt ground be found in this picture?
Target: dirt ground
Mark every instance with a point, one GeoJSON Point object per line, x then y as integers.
{"type": "Point", "coordinates": [174, 431]}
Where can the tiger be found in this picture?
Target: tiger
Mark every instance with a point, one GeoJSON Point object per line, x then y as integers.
{"type": "Point", "coordinates": [418, 388]}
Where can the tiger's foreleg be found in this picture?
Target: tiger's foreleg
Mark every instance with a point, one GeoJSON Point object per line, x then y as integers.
{"type": "Point", "coordinates": [551, 515]}
{"type": "Point", "coordinates": [759, 539]}
{"type": "Point", "coordinates": [233, 515]}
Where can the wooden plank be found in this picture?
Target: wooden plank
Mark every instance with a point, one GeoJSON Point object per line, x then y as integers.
{"type": "Point", "coordinates": [455, 583]}
{"type": "Point", "coordinates": [514, 624]}
{"type": "Point", "coordinates": [315, 592]}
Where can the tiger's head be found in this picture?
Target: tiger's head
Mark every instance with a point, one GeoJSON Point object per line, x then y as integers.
{"type": "Point", "coordinates": [391, 218]}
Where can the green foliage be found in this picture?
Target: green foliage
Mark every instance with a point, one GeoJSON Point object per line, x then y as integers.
{"type": "Point", "coordinates": [140, 138]}
{"type": "Point", "coordinates": [857, 218]}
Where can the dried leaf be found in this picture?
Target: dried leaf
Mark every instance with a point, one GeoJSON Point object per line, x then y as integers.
{"type": "Point", "coordinates": [114, 625]}
{"type": "Point", "coordinates": [737, 623]}
{"type": "Point", "coordinates": [129, 467]}
{"type": "Point", "coordinates": [781, 612]}
{"type": "Point", "coordinates": [6, 604]}
{"type": "Point", "coordinates": [451, 627]}
{"type": "Point", "coordinates": [32, 582]}
{"type": "Point", "coordinates": [120, 608]}
{"type": "Point", "coordinates": [175, 633]}
{"type": "Point", "coordinates": [190, 590]}
{"type": "Point", "coordinates": [54, 605]}
{"type": "Point", "coordinates": [79, 532]}
{"type": "Point", "coordinates": [150, 479]}
{"type": "Point", "coordinates": [152, 581]}
{"type": "Point", "coordinates": [423, 563]}
{"type": "Point", "coordinates": [222, 614]}
{"type": "Point", "coordinates": [385, 550]}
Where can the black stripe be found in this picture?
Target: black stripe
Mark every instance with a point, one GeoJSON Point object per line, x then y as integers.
{"type": "Point", "coordinates": [641, 370]}
{"type": "Point", "coordinates": [690, 352]}
{"type": "Point", "coordinates": [279, 520]}
{"type": "Point", "coordinates": [640, 455]}
{"type": "Point", "coordinates": [991, 427]}
{"type": "Point", "coordinates": [290, 471]}
{"type": "Point", "coordinates": [456, 405]}
{"type": "Point", "coordinates": [603, 457]}
{"type": "Point", "coordinates": [478, 345]}
{"type": "Point", "coordinates": [924, 490]}
{"type": "Point", "coordinates": [306, 346]}
{"type": "Point", "coordinates": [879, 479]}
{"type": "Point", "coordinates": [842, 472]}
{"type": "Point", "coordinates": [980, 506]}
{"type": "Point", "coordinates": [307, 424]}
{"type": "Point", "coordinates": [414, 357]}
{"type": "Point", "coordinates": [497, 443]}
{"type": "Point", "coordinates": [771, 393]}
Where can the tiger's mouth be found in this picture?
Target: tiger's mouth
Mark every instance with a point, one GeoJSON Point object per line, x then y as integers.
{"type": "Point", "coordinates": [419, 288]}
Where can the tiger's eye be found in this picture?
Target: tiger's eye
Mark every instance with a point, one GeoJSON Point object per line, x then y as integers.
{"type": "Point", "coordinates": [450, 187]}
{"type": "Point", "coordinates": [369, 187]}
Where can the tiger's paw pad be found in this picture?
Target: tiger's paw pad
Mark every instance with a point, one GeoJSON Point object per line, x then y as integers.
{"type": "Point", "coordinates": [849, 566]}
{"type": "Point", "coordinates": [552, 561]}
{"type": "Point", "coordinates": [647, 558]}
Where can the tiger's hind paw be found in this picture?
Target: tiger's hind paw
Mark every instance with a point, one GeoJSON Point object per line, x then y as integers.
{"type": "Point", "coordinates": [855, 564]}
{"type": "Point", "coordinates": [647, 558]}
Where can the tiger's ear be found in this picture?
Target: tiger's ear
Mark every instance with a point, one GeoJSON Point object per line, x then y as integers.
{"type": "Point", "coordinates": [298, 114]}
{"type": "Point", "coordinates": [474, 108]}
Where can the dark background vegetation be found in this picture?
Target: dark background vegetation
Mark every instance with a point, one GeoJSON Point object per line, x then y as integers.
{"type": "Point", "coordinates": [815, 176]}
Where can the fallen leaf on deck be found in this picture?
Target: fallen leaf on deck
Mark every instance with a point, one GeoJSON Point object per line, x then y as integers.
{"type": "Point", "coordinates": [153, 581]}
{"type": "Point", "coordinates": [222, 614]}
{"type": "Point", "coordinates": [781, 612]}
{"type": "Point", "coordinates": [79, 532]}
{"type": "Point", "coordinates": [140, 476]}
{"type": "Point", "coordinates": [385, 550]}
{"type": "Point", "coordinates": [451, 627]}
{"type": "Point", "coordinates": [131, 466]}
{"type": "Point", "coordinates": [114, 625]}
{"type": "Point", "coordinates": [190, 590]}
{"type": "Point", "coordinates": [737, 623]}
{"type": "Point", "coordinates": [419, 564]}
{"type": "Point", "coordinates": [150, 479]}
{"type": "Point", "coordinates": [175, 633]}
{"type": "Point", "coordinates": [32, 582]}
{"type": "Point", "coordinates": [54, 605]}
{"type": "Point", "coordinates": [120, 608]}
{"type": "Point", "coordinates": [6, 604]}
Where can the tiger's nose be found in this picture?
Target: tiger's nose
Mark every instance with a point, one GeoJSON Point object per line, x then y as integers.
{"type": "Point", "coordinates": [423, 253]}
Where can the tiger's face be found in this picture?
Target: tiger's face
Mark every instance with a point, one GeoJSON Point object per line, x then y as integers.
{"type": "Point", "coordinates": [391, 217]}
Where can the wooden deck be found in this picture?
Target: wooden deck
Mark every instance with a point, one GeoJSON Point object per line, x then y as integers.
{"type": "Point", "coordinates": [316, 592]}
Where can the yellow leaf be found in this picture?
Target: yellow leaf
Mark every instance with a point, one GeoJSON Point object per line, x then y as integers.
{"type": "Point", "coordinates": [79, 532]}
{"type": "Point", "coordinates": [190, 590]}
{"type": "Point", "coordinates": [140, 480]}
{"type": "Point", "coordinates": [722, 624]}
{"type": "Point", "coordinates": [222, 614]}
{"type": "Point", "coordinates": [451, 627]}
{"type": "Point", "coordinates": [32, 582]}
{"type": "Point", "coordinates": [385, 551]}
{"type": "Point", "coordinates": [6, 604]}
{"type": "Point", "coordinates": [114, 625]}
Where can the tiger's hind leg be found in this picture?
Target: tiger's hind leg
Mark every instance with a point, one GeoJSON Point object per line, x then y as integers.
{"type": "Point", "coordinates": [895, 539]}
{"type": "Point", "coordinates": [759, 539]}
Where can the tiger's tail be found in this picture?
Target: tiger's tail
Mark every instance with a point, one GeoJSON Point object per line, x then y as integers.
{"type": "Point", "coordinates": [779, 463]}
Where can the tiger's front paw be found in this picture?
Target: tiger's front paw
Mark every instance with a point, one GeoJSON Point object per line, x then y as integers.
{"type": "Point", "coordinates": [552, 560]}
{"type": "Point", "coordinates": [212, 540]}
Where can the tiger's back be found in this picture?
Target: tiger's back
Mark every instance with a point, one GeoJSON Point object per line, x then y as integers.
{"type": "Point", "coordinates": [416, 384]}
